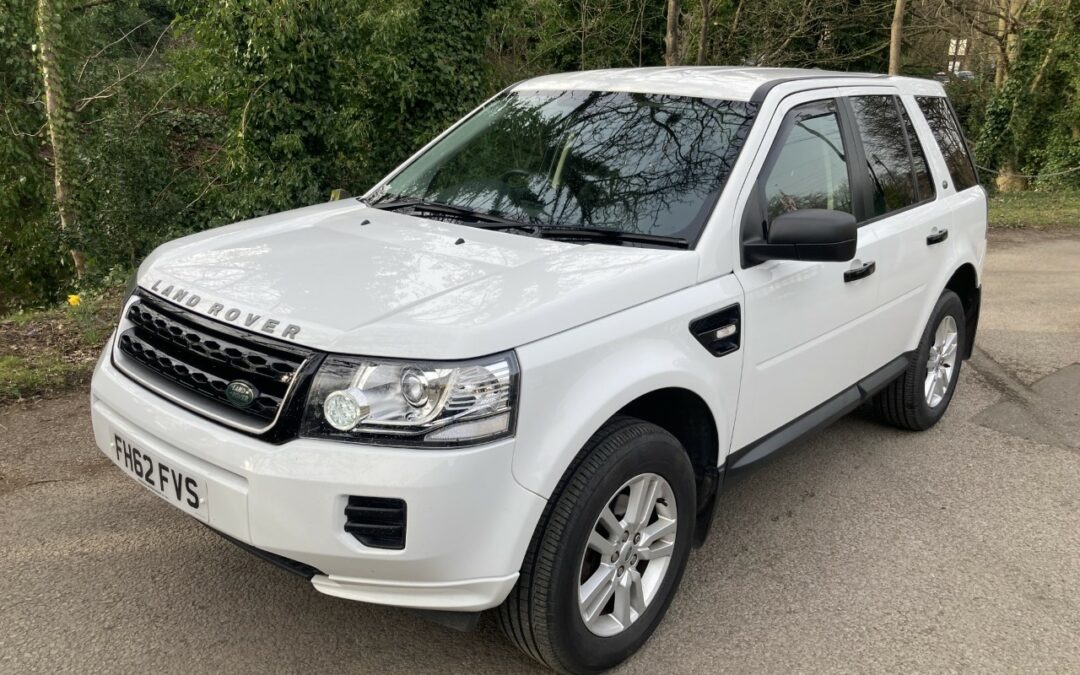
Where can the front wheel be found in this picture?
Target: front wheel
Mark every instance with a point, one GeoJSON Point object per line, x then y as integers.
{"type": "Point", "coordinates": [919, 397]}
{"type": "Point", "coordinates": [609, 553]}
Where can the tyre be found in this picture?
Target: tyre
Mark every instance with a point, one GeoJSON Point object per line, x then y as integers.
{"type": "Point", "coordinates": [919, 397]}
{"type": "Point", "coordinates": [609, 552]}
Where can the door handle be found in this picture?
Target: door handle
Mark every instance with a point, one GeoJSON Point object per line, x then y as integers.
{"type": "Point", "coordinates": [859, 272]}
{"type": "Point", "coordinates": [937, 237]}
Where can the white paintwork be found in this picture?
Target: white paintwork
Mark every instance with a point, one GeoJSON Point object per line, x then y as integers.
{"type": "Point", "coordinates": [734, 83]}
{"type": "Point", "coordinates": [465, 510]}
{"type": "Point", "coordinates": [594, 327]}
{"type": "Point", "coordinates": [385, 288]}
{"type": "Point", "coordinates": [905, 263]}
{"type": "Point", "coordinates": [804, 339]}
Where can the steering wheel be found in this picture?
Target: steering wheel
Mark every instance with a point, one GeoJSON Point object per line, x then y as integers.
{"type": "Point", "coordinates": [516, 178]}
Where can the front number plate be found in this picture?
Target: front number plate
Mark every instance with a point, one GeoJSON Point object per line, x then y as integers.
{"type": "Point", "coordinates": [169, 480]}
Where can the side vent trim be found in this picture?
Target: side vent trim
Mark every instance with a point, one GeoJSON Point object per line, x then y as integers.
{"type": "Point", "coordinates": [720, 332]}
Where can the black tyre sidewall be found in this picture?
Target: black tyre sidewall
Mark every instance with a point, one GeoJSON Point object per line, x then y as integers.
{"type": "Point", "coordinates": [578, 649]}
{"type": "Point", "coordinates": [947, 305]}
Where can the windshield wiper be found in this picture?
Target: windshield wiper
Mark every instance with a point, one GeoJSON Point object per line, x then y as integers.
{"type": "Point", "coordinates": [601, 234]}
{"type": "Point", "coordinates": [458, 212]}
{"type": "Point", "coordinates": [588, 234]}
{"type": "Point", "coordinates": [490, 221]}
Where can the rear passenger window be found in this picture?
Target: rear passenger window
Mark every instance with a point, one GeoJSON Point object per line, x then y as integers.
{"type": "Point", "coordinates": [892, 179]}
{"type": "Point", "coordinates": [923, 179]}
{"type": "Point", "coordinates": [810, 168]}
{"type": "Point", "coordinates": [951, 141]}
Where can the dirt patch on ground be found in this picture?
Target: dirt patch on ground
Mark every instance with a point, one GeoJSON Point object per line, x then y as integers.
{"type": "Point", "coordinates": [47, 351]}
{"type": "Point", "coordinates": [1002, 238]}
{"type": "Point", "coordinates": [37, 438]}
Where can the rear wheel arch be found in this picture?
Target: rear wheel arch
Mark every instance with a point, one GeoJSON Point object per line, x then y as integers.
{"type": "Point", "coordinates": [965, 283]}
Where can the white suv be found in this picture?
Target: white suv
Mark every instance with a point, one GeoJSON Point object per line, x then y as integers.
{"type": "Point", "coordinates": [515, 373]}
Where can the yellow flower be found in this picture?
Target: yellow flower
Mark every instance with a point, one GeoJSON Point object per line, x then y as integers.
{"type": "Point", "coordinates": [74, 300]}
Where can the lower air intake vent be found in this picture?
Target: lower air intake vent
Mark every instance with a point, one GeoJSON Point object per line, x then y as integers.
{"type": "Point", "coordinates": [378, 522]}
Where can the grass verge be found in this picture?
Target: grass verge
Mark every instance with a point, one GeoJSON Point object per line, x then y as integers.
{"type": "Point", "coordinates": [47, 351]}
{"type": "Point", "coordinates": [1035, 210]}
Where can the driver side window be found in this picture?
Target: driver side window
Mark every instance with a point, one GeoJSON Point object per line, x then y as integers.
{"type": "Point", "coordinates": [809, 170]}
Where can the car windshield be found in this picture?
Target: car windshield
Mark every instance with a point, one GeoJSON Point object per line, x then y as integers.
{"type": "Point", "coordinates": [644, 164]}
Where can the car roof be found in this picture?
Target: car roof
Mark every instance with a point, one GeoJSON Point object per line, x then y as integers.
{"type": "Point", "coordinates": [725, 82]}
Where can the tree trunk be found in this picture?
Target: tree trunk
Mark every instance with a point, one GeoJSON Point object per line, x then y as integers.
{"type": "Point", "coordinates": [703, 38]}
{"type": "Point", "coordinates": [1001, 68]}
{"type": "Point", "coordinates": [54, 118]}
{"type": "Point", "coordinates": [671, 39]}
{"type": "Point", "coordinates": [896, 38]}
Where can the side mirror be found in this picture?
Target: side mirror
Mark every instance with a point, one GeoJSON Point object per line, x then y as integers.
{"type": "Point", "coordinates": [820, 235]}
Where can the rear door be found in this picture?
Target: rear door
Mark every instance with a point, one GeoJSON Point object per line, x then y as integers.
{"type": "Point", "coordinates": [899, 208]}
{"type": "Point", "coordinates": [803, 340]}
{"type": "Point", "coordinates": [950, 157]}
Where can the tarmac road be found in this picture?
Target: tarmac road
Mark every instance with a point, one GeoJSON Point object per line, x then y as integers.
{"type": "Point", "coordinates": [861, 549]}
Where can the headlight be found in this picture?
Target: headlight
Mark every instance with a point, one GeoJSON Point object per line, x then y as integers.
{"type": "Point", "coordinates": [413, 403]}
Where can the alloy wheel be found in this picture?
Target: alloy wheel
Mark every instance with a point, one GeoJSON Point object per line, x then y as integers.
{"type": "Point", "coordinates": [628, 554]}
{"type": "Point", "coordinates": [941, 361]}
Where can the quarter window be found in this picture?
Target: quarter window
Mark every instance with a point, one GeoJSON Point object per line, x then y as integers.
{"type": "Point", "coordinates": [892, 180]}
{"type": "Point", "coordinates": [950, 139]}
{"type": "Point", "coordinates": [810, 169]}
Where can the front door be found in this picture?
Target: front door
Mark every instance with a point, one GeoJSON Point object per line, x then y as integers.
{"type": "Point", "coordinates": [802, 338]}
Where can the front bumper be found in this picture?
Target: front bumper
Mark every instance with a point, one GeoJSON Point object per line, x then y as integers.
{"type": "Point", "coordinates": [469, 522]}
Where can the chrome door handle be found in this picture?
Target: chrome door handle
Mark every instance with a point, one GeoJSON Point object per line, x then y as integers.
{"type": "Point", "coordinates": [859, 272]}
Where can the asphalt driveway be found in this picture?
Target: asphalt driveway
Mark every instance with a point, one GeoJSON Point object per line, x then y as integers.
{"type": "Point", "coordinates": [862, 549]}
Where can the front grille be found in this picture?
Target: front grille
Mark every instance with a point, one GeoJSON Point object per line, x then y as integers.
{"type": "Point", "coordinates": [194, 354]}
{"type": "Point", "coordinates": [378, 522]}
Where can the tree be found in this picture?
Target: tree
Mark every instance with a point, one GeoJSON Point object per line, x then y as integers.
{"type": "Point", "coordinates": [671, 37]}
{"type": "Point", "coordinates": [48, 16]}
{"type": "Point", "coordinates": [896, 38]}
{"type": "Point", "coordinates": [1032, 122]}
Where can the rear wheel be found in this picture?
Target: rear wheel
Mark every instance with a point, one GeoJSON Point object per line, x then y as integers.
{"type": "Point", "coordinates": [919, 397]}
{"type": "Point", "coordinates": [609, 553]}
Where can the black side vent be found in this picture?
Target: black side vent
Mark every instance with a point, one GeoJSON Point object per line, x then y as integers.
{"type": "Point", "coordinates": [378, 522]}
{"type": "Point", "coordinates": [720, 331]}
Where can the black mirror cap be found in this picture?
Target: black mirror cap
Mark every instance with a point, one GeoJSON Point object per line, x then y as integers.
{"type": "Point", "coordinates": [820, 235]}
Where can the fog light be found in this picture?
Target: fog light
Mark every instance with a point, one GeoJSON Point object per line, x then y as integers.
{"type": "Point", "coordinates": [345, 408]}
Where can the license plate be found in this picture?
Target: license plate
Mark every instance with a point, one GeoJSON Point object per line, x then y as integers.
{"type": "Point", "coordinates": [170, 480]}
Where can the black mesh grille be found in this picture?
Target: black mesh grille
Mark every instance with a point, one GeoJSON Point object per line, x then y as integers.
{"type": "Point", "coordinates": [172, 343]}
{"type": "Point", "coordinates": [378, 522]}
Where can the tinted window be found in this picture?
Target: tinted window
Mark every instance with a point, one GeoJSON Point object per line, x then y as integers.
{"type": "Point", "coordinates": [810, 168]}
{"type": "Point", "coordinates": [923, 179]}
{"type": "Point", "coordinates": [885, 146]}
{"type": "Point", "coordinates": [951, 141]}
{"type": "Point", "coordinates": [640, 163]}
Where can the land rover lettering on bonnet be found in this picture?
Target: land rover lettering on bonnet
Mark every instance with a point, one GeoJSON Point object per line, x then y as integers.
{"type": "Point", "coordinates": [533, 353]}
{"type": "Point", "coordinates": [221, 311]}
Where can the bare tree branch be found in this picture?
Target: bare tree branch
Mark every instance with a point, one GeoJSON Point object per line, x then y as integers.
{"type": "Point", "coordinates": [81, 105]}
